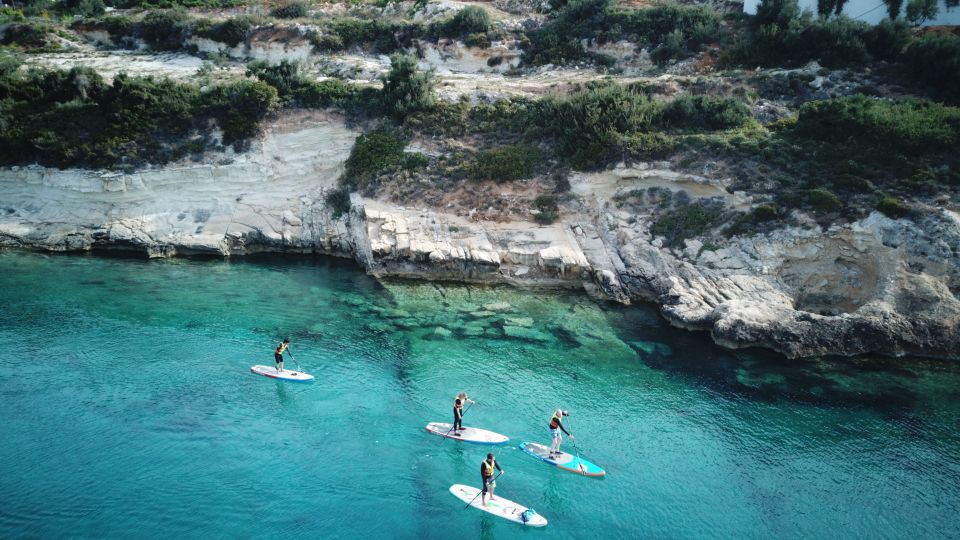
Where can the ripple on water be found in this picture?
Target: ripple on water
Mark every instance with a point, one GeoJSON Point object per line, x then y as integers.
{"type": "Point", "coordinates": [130, 411]}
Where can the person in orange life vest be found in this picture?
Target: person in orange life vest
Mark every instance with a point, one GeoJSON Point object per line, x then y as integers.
{"type": "Point", "coordinates": [278, 354]}
{"type": "Point", "coordinates": [486, 475]}
{"type": "Point", "coordinates": [458, 411]}
{"type": "Point", "coordinates": [555, 427]}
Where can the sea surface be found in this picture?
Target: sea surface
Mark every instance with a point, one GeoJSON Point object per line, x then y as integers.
{"type": "Point", "coordinates": [129, 411]}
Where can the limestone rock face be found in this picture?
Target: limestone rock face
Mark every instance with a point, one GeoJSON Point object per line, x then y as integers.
{"type": "Point", "coordinates": [876, 285]}
{"type": "Point", "coordinates": [267, 199]}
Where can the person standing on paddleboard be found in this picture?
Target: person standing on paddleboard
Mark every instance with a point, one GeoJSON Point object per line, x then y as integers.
{"type": "Point", "coordinates": [278, 353]}
{"type": "Point", "coordinates": [486, 475]}
{"type": "Point", "coordinates": [458, 411]}
{"type": "Point", "coordinates": [555, 427]}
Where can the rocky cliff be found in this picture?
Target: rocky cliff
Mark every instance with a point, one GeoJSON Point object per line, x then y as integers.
{"type": "Point", "coordinates": [875, 285]}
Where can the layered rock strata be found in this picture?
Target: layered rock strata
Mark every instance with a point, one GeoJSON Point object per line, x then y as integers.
{"type": "Point", "coordinates": [877, 285]}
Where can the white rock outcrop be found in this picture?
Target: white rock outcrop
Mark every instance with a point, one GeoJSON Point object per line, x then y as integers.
{"type": "Point", "coordinates": [876, 285]}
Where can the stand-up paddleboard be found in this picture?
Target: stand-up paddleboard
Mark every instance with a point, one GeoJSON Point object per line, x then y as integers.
{"type": "Point", "coordinates": [500, 507]}
{"type": "Point", "coordinates": [467, 434]}
{"type": "Point", "coordinates": [286, 375]}
{"type": "Point", "coordinates": [564, 461]}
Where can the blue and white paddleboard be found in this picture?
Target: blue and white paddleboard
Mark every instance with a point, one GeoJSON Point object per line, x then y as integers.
{"type": "Point", "coordinates": [286, 374]}
{"type": "Point", "coordinates": [499, 507]}
{"type": "Point", "coordinates": [564, 461]}
{"type": "Point", "coordinates": [467, 434]}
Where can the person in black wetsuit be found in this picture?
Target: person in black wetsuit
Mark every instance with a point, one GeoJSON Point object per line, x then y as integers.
{"type": "Point", "coordinates": [486, 475]}
{"type": "Point", "coordinates": [278, 354]}
{"type": "Point", "coordinates": [458, 411]}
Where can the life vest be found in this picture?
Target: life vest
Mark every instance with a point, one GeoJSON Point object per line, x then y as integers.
{"type": "Point", "coordinates": [457, 404]}
{"type": "Point", "coordinates": [487, 468]}
{"type": "Point", "coordinates": [555, 421]}
{"type": "Point", "coordinates": [282, 347]}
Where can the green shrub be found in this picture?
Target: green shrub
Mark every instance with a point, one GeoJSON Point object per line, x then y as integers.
{"type": "Point", "coordinates": [69, 119]}
{"type": "Point", "coordinates": [823, 200]}
{"type": "Point", "coordinates": [285, 76]}
{"type": "Point", "coordinates": [405, 88]}
{"type": "Point", "coordinates": [377, 35]}
{"type": "Point", "coordinates": [339, 201]}
{"type": "Point", "coordinates": [688, 221]}
{"type": "Point", "coordinates": [780, 35]}
{"type": "Point", "coordinates": [505, 164]}
{"type": "Point", "coordinates": [240, 106]}
{"type": "Point", "coordinates": [482, 41]}
{"type": "Point", "coordinates": [588, 126]}
{"type": "Point", "coordinates": [83, 8]}
{"type": "Point", "coordinates": [596, 126]}
{"type": "Point", "coordinates": [324, 93]}
{"type": "Point", "coordinates": [469, 20]}
{"type": "Point", "coordinates": [893, 208]}
{"type": "Point", "coordinates": [671, 31]}
{"type": "Point", "coordinates": [752, 222]}
{"type": "Point", "coordinates": [888, 39]}
{"type": "Point", "coordinates": [906, 126]}
{"type": "Point", "coordinates": [119, 27]}
{"type": "Point", "coordinates": [166, 29]}
{"type": "Point", "coordinates": [780, 13]}
{"type": "Point", "coordinates": [692, 26]}
{"type": "Point", "coordinates": [165, 4]}
{"type": "Point", "coordinates": [373, 154]}
{"type": "Point", "coordinates": [293, 10]}
{"type": "Point", "coordinates": [646, 146]}
{"type": "Point", "coordinates": [671, 48]}
{"type": "Point", "coordinates": [9, 15]}
{"type": "Point", "coordinates": [934, 60]}
{"type": "Point", "coordinates": [547, 209]}
{"type": "Point", "coordinates": [559, 41]}
{"type": "Point", "coordinates": [232, 31]}
{"type": "Point", "coordinates": [34, 37]}
{"type": "Point", "coordinates": [696, 112]}
{"type": "Point", "coordinates": [327, 42]}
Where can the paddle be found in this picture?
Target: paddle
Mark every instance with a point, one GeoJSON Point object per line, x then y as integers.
{"type": "Point", "coordinates": [579, 463]}
{"type": "Point", "coordinates": [481, 491]}
{"type": "Point", "coordinates": [294, 360]}
{"type": "Point", "coordinates": [464, 413]}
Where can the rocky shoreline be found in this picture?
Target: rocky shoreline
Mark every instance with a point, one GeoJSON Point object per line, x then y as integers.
{"type": "Point", "coordinates": [873, 286]}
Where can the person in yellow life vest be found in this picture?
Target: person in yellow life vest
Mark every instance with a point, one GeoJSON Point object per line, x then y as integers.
{"type": "Point", "coordinates": [556, 425]}
{"type": "Point", "coordinates": [458, 411]}
{"type": "Point", "coordinates": [486, 474]}
{"type": "Point", "coordinates": [278, 354]}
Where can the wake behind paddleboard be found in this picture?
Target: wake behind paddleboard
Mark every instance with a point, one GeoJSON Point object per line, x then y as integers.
{"type": "Point", "coordinates": [564, 461]}
{"type": "Point", "coordinates": [467, 434]}
{"type": "Point", "coordinates": [500, 507]}
{"type": "Point", "coordinates": [286, 375]}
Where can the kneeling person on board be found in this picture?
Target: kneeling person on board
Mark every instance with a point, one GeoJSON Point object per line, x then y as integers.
{"type": "Point", "coordinates": [486, 474]}
{"type": "Point", "coordinates": [458, 411]}
{"type": "Point", "coordinates": [555, 427]}
{"type": "Point", "coordinates": [278, 354]}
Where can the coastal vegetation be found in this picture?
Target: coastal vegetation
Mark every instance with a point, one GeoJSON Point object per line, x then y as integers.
{"type": "Point", "coordinates": [902, 145]}
{"type": "Point", "coordinates": [74, 118]}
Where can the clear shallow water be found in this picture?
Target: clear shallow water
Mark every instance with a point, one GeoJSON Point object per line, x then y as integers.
{"type": "Point", "coordinates": [129, 411]}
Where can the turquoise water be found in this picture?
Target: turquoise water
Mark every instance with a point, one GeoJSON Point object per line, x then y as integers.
{"type": "Point", "coordinates": [129, 411]}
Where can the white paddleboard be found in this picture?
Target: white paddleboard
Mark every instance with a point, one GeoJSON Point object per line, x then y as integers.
{"type": "Point", "coordinates": [467, 434]}
{"type": "Point", "coordinates": [500, 507]}
{"type": "Point", "coordinates": [287, 375]}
